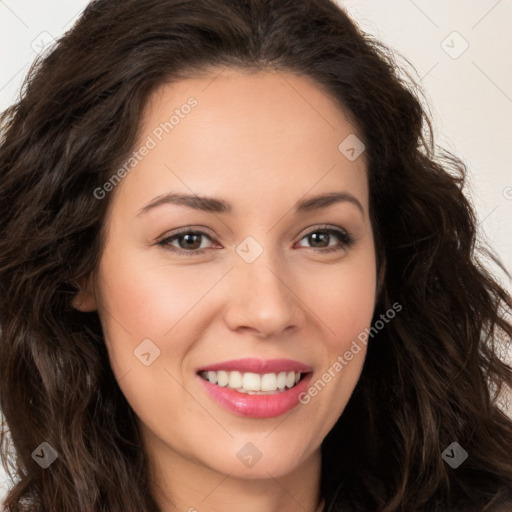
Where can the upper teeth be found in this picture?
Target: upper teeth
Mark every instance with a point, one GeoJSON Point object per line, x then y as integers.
{"type": "Point", "coordinates": [247, 382]}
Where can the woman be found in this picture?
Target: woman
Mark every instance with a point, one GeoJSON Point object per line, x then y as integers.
{"type": "Point", "coordinates": [235, 275]}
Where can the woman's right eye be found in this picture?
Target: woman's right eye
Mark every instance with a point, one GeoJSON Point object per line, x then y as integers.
{"type": "Point", "coordinates": [189, 238]}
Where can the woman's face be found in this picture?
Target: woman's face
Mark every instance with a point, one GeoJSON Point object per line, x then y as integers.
{"type": "Point", "coordinates": [259, 281]}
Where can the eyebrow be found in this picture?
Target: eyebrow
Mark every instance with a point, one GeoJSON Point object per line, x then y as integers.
{"type": "Point", "coordinates": [216, 205]}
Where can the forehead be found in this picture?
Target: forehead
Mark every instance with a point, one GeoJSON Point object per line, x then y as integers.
{"type": "Point", "coordinates": [247, 135]}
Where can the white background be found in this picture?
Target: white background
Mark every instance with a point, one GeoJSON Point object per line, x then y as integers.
{"type": "Point", "coordinates": [470, 92]}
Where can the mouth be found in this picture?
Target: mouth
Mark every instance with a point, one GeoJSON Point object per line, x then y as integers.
{"type": "Point", "coordinates": [255, 387]}
{"type": "Point", "coordinates": [253, 383]}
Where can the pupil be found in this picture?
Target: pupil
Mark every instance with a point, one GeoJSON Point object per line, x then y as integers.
{"type": "Point", "coordinates": [190, 242]}
{"type": "Point", "coordinates": [316, 236]}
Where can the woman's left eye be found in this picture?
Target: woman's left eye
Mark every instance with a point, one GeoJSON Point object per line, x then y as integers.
{"type": "Point", "coordinates": [189, 242]}
{"type": "Point", "coordinates": [324, 234]}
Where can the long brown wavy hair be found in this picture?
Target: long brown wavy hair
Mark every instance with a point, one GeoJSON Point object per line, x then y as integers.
{"type": "Point", "coordinates": [431, 376]}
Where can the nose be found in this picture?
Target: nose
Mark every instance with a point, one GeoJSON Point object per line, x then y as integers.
{"type": "Point", "coordinates": [263, 297]}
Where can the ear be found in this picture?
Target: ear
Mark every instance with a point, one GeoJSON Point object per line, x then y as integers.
{"type": "Point", "coordinates": [85, 299]}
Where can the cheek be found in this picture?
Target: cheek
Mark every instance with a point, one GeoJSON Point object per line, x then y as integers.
{"type": "Point", "coordinates": [142, 300]}
{"type": "Point", "coordinates": [148, 300]}
{"type": "Point", "coordinates": [343, 298]}
{"type": "Point", "coordinates": [138, 302]}
{"type": "Point", "coordinates": [344, 301]}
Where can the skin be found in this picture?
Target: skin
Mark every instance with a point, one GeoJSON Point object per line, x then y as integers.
{"type": "Point", "coordinates": [261, 141]}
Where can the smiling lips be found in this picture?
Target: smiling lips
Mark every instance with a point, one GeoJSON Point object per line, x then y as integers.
{"type": "Point", "coordinates": [256, 387]}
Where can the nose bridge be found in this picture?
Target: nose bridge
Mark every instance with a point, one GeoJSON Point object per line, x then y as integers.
{"type": "Point", "coordinates": [262, 297]}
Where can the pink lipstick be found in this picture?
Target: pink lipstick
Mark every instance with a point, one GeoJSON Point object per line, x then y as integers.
{"type": "Point", "coordinates": [256, 388]}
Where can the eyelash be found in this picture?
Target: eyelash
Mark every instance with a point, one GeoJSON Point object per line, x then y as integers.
{"type": "Point", "coordinates": [346, 238]}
